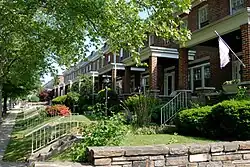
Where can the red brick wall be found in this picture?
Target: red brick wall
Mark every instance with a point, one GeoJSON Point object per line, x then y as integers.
{"type": "Point", "coordinates": [153, 73]}
{"type": "Point", "coordinates": [245, 35]}
{"type": "Point", "coordinates": [218, 75]}
{"type": "Point", "coordinates": [193, 17]}
{"type": "Point", "coordinates": [203, 51]}
{"type": "Point", "coordinates": [183, 69]}
{"type": "Point", "coordinates": [217, 9]}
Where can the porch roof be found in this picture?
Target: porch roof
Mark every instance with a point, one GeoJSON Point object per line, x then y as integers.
{"type": "Point", "coordinates": [163, 52]}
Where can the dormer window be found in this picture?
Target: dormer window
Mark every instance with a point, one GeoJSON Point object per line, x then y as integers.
{"type": "Point", "coordinates": [203, 16]}
{"type": "Point", "coordinates": [236, 5]}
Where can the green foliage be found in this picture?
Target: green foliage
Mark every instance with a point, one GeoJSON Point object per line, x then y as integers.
{"type": "Point", "coordinates": [242, 93]}
{"type": "Point", "coordinates": [153, 129]}
{"type": "Point", "coordinates": [59, 100]}
{"type": "Point", "coordinates": [191, 121]}
{"type": "Point", "coordinates": [113, 100]}
{"type": "Point", "coordinates": [229, 120]}
{"type": "Point", "coordinates": [72, 98]}
{"type": "Point", "coordinates": [143, 107]}
{"type": "Point", "coordinates": [108, 131]}
{"type": "Point", "coordinates": [98, 110]}
{"type": "Point", "coordinates": [33, 98]}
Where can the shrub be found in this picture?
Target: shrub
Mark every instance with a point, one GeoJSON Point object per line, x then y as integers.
{"type": "Point", "coordinates": [57, 110]}
{"type": "Point", "coordinates": [33, 98]}
{"type": "Point", "coordinates": [44, 95]}
{"type": "Point", "coordinates": [72, 98]}
{"type": "Point", "coordinates": [229, 120]}
{"type": "Point", "coordinates": [191, 121]}
{"type": "Point", "coordinates": [59, 100]}
{"type": "Point", "coordinates": [113, 100]}
{"type": "Point", "coordinates": [106, 132]}
{"type": "Point", "coordinates": [143, 107]}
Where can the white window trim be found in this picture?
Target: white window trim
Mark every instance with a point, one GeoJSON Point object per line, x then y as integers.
{"type": "Point", "coordinates": [109, 59]}
{"type": "Point", "coordinates": [231, 8]}
{"type": "Point", "coordinates": [199, 22]}
{"type": "Point", "coordinates": [150, 40]}
{"type": "Point", "coordinates": [202, 75]}
{"type": "Point", "coordinates": [185, 18]}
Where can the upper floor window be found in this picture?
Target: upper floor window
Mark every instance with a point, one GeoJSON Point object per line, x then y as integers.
{"type": "Point", "coordinates": [185, 22]}
{"type": "Point", "coordinates": [203, 16]}
{"type": "Point", "coordinates": [98, 64]}
{"type": "Point", "coordinates": [109, 58]}
{"type": "Point", "coordinates": [151, 40]}
{"type": "Point", "coordinates": [236, 5]}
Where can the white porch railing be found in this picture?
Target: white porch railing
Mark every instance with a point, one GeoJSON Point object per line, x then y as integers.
{"type": "Point", "coordinates": [169, 111]}
{"type": "Point", "coordinates": [51, 132]}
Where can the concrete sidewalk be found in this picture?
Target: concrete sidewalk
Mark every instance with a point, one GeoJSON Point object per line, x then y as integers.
{"type": "Point", "coordinates": [5, 133]}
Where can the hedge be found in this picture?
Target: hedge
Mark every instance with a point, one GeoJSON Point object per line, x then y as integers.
{"type": "Point", "coordinates": [59, 100]}
{"type": "Point", "coordinates": [228, 120]}
{"type": "Point", "coordinates": [191, 121]}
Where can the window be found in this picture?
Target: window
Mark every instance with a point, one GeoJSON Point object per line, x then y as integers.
{"type": "Point", "coordinates": [151, 40]}
{"type": "Point", "coordinates": [199, 76]}
{"type": "Point", "coordinates": [94, 65]}
{"type": "Point", "coordinates": [98, 64]}
{"type": "Point", "coordinates": [108, 58]}
{"type": "Point", "coordinates": [236, 5]}
{"type": "Point", "coordinates": [203, 16]}
{"type": "Point", "coordinates": [185, 22]}
{"type": "Point", "coordinates": [207, 75]}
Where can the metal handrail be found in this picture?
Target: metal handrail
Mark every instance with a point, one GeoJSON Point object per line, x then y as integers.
{"type": "Point", "coordinates": [51, 132]}
{"type": "Point", "coordinates": [169, 110]}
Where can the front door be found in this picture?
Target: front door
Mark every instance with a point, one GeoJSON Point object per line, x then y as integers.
{"type": "Point", "coordinates": [169, 82]}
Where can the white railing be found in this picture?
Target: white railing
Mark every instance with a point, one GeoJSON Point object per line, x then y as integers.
{"type": "Point", "coordinates": [51, 132]}
{"type": "Point", "coordinates": [169, 111]}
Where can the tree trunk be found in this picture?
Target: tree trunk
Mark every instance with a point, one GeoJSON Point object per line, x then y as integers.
{"type": "Point", "coordinates": [5, 100]}
{"type": "Point", "coordinates": [1, 107]}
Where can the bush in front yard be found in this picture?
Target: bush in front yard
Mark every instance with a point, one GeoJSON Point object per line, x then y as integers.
{"type": "Point", "coordinates": [55, 110]}
{"type": "Point", "coordinates": [59, 100]}
{"type": "Point", "coordinates": [229, 120]}
{"type": "Point", "coordinates": [191, 121]}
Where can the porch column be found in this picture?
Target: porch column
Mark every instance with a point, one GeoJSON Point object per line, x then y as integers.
{"type": "Point", "coordinates": [161, 78]}
{"type": "Point", "coordinates": [127, 79]}
{"type": "Point", "coordinates": [245, 35]}
{"type": "Point", "coordinates": [153, 73]}
{"type": "Point", "coordinates": [183, 69]}
{"type": "Point", "coordinates": [113, 78]}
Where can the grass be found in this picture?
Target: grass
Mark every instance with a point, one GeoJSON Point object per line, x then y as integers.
{"type": "Point", "coordinates": [140, 140]}
{"type": "Point", "coordinates": [19, 147]}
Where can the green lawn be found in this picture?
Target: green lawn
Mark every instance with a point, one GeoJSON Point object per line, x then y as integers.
{"type": "Point", "coordinates": [19, 147]}
{"type": "Point", "coordinates": [140, 140]}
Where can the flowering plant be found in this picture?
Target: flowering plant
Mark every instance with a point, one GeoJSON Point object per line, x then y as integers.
{"type": "Point", "coordinates": [61, 110]}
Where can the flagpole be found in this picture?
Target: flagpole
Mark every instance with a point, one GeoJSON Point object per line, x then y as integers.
{"type": "Point", "coordinates": [230, 49]}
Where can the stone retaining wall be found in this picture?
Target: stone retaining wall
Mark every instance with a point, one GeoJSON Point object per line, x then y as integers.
{"type": "Point", "coordinates": [216, 154]}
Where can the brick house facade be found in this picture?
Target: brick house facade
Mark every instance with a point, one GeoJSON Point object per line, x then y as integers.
{"type": "Point", "coordinates": [195, 67]}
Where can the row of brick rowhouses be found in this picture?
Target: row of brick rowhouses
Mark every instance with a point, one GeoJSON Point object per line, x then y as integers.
{"type": "Point", "coordinates": [195, 67]}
